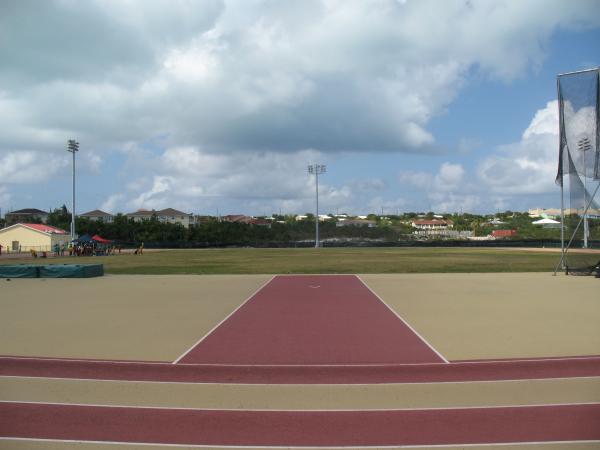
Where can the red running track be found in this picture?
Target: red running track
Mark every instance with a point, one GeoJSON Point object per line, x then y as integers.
{"type": "Point", "coordinates": [301, 428]}
{"type": "Point", "coordinates": [300, 320]}
{"type": "Point", "coordinates": [386, 373]}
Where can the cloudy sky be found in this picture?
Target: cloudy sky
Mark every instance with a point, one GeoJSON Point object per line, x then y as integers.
{"type": "Point", "coordinates": [218, 106]}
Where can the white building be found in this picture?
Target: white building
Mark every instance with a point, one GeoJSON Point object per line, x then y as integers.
{"type": "Point", "coordinates": [97, 215]}
{"type": "Point", "coordinates": [168, 215]}
{"type": "Point", "coordinates": [433, 224]}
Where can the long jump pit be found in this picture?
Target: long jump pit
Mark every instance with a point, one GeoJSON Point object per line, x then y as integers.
{"type": "Point", "coordinates": [456, 361]}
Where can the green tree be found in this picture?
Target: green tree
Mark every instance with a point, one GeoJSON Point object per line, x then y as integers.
{"type": "Point", "coordinates": [60, 218]}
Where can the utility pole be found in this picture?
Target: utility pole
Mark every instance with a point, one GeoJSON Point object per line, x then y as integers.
{"type": "Point", "coordinates": [73, 147]}
{"type": "Point", "coordinates": [585, 145]}
{"type": "Point", "coordinates": [316, 170]}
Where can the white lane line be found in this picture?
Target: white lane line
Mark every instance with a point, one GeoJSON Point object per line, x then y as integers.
{"type": "Point", "coordinates": [222, 321]}
{"type": "Point", "coordinates": [96, 361]}
{"type": "Point", "coordinates": [532, 359]}
{"type": "Point", "coordinates": [277, 447]}
{"type": "Point", "coordinates": [296, 385]}
{"type": "Point", "coordinates": [404, 321]}
{"type": "Point", "coordinates": [183, 408]}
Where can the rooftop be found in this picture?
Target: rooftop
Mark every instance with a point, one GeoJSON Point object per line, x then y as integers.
{"type": "Point", "coordinates": [96, 213]}
{"type": "Point", "coordinates": [29, 211]}
{"type": "Point", "coordinates": [43, 228]}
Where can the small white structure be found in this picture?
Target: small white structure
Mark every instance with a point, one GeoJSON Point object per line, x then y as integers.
{"type": "Point", "coordinates": [547, 223]}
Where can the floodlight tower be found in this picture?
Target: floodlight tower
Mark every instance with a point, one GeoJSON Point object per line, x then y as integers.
{"type": "Point", "coordinates": [73, 147]}
{"type": "Point", "coordinates": [584, 145]}
{"type": "Point", "coordinates": [316, 170]}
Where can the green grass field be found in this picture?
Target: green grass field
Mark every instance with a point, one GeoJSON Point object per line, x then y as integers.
{"type": "Point", "coordinates": [327, 260]}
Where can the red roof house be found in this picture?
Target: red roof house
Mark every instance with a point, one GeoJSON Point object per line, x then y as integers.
{"type": "Point", "coordinates": [504, 233]}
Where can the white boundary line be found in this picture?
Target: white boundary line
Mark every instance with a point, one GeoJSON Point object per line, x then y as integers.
{"type": "Point", "coordinates": [403, 321]}
{"type": "Point", "coordinates": [97, 361]}
{"type": "Point", "coordinates": [180, 408]}
{"type": "Point", "coordinates": [222, 321]}
{"type": "Point", "coordinates": [249, 447]}
{"type": "Point", "coordinates": [532, 359]}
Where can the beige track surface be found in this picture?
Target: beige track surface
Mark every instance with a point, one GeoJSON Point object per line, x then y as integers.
{"type": "Point", "coordinates": [463, 316]}
{"type": "Point", "coordinates": [157, 318]}
{"type": "Point", "coordinates": [301, 397]}
{"type": "Point", "coordinates": [505, 315]}
{"type": "Point", "coordinates": [152, 318]}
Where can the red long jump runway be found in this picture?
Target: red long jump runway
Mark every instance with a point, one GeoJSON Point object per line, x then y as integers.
{"type": "Point", "coordinates": [303, 320]}
{"type": "Point", "coordinates": [301, 428]}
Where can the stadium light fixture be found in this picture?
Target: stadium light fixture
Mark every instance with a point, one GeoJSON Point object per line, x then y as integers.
{"type": "Point", "coordinates": [316, 170]}
{"type": "Point", "coordinates": [73, 147]}
{"type": "Point", "coordinates": [584, 145]}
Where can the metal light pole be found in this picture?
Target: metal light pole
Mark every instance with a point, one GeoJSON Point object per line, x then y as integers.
{"type": "Point", "coordinates": [73, 147]}
{"type": "Point", "coordinates": [585, 145]}
{"type": "Point", "coordinates": [316, 170]}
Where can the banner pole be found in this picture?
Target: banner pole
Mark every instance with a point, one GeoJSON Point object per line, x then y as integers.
{"type": "Point", "coordinates": [562, 258]}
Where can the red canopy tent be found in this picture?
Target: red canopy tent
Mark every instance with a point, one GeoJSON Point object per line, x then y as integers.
{"type": "Point", "coordinates": [100, 239]}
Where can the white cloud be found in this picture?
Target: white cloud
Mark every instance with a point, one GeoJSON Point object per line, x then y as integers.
{"type": "Point", "coordinates": [450, 176]}
{"type": "Point", "coordinates": [450, 202]}
{"type": "Point", "coordinates": [5, 196]}
{"type": "Point", "coordinates": [260, 76]}
{"type": "Point", "coordinates": [191, 179]}
{"type": "Point", "coordinates": [445, 191]}
{"type": "Point", "coordinates": [521, 169]}
{"type": "Point", "coordinates": [369, 184]}
{"type": "Point", "coordinates": [29, 167]}
{"type": "Point", "coordinates": [110, 204]}
{"type": "Point", "coordinates": [387, 206]}
{"type": "Point", "coordinates": [421, 180]}
{"type": "Point", "coordinates": [528, 166]}
{"type": "Point", "coordinates": [524, 168]}
{"type": "Point", "coordinates": [545, 121]}
{"type": "Point", "coordinates": [230, 93]}
{"type": "Point", "coordinates": [467, 145]}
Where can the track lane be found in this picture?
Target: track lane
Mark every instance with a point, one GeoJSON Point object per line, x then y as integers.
{"type": "Point", "coordinates": [283, 428]}
{"type": "Point", "coordinates": [320, 374]}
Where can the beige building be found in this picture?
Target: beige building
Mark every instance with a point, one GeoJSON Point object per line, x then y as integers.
{"type": "Point", "coordinates": [356, 223]}
{"type": "Point", "coordinates": [554, 213]}
{"type": "Point", "coordinates": [433, 224]}
{"type": "Point", "coordinates": [97, 215]}
{"type": "Point", "coordinates": [168, 215]}
{"type": "Point", "coordinates": [23, 237]}
{"type": "Point", "coordinates": [25, 216]}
